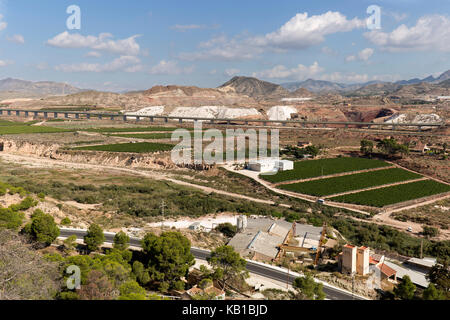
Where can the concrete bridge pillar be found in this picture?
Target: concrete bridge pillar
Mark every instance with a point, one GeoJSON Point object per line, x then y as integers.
{"type": "Point", "coordinates": [18, 113]}
{"type": "Point", "coordinates": [77, 116]}
{"type": "Point", "coordinates": [124, 118]}
{"type": "Point", "coordinates": [26, 113]}
{"type": "Point", "coordinates": [1, 112]}
{"type": "Point", "coordinates": [138, 119]}
{"type": "Point", "coordinates": [180, 120]}
{"type": "Point", "coordinates": [9, 112]}
{"type": "Point", "coordinates": [112, 118]}
{"type": "Point", "coordinates": [166, 120]}
{"type": "Point", "coordinates": [88, 116]}
{"type": "Point", "coordinates": [265, 124]}
{"type": "Point", "coordinates": [152, 119]}
{"type": "Point", "coordinates": [45, 115]}
{"type": "Point", "coordinates": [66, 115]}
{"type": "Point", "coordinates": [55, 115]}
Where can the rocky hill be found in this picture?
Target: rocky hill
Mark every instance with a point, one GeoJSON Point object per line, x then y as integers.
{"type": "Point", "coordinates": [169, 96]}
{"type": "Point", "coordinates": [16, 87]}
{"type": "Point", "coordinates": [253, 87]}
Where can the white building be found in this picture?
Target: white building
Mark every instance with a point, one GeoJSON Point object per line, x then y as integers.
{"type": "Point", "coordinates": [270, 165]}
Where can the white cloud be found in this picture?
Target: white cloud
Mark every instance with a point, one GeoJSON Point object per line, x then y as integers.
{"type": "Point", "coordinates": [42, 66]}
{"type": "Point", "coordinates": [3, 24]}
{"type": "Point", "coordinates": [4, 63]}
{"type": "Point", "coordinates": [93, 54]}
{"type": "Point", "coordinates": [123, 63]}
{"type": "Point", "coordinates": [297, 73]}
{"type": "Point", "coordinates": [430, 33]}
{"type": "Point", "coordinates": [395, 15]}
{"type": "Point", "coordinates": [363, 55]}
{"type": "Point", "coordinates": [222, 48]}
{"type": "Point", "coordinates": [103, 42]}
{"type": "Point", "coordinates": [17, 38]}
{"type": "Point", "coordinates": [231, 72]}
{"type": "Point", "coordinates": [187, 27]}
{"type": "Point", "coordinates": [300, 32]}
{"type": "Point", "coordinates": [330, 52]}
{"type": "Point", "coordinates": [345, 78]}
{"type": "Point", "coordinates": [304, 31]}
{"type": "Point", "coordinates": [170, 68]}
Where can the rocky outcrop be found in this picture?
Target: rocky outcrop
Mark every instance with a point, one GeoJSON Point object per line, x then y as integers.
{"type": "Point", "coordinates": [56, 152]}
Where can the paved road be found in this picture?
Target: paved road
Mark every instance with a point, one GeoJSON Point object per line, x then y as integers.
{"type": "Point", "coordinates": [255, 268]}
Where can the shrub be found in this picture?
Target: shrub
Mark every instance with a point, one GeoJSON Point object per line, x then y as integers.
{"type": "Point", "coordinates": [66, 221]}
{"type": "Point", "coordinates": [44, 228]}
{"type": "Point", "coordinates": [227, 229]}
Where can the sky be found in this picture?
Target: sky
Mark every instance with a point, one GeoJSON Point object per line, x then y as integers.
{"type": "Point", "coordinates": [134, 44]}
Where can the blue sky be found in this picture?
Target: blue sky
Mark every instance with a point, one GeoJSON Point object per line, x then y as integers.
{"type": "Point", "coordinates": [136, 44]}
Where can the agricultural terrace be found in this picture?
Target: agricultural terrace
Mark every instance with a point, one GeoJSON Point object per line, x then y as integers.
{"type": "Point", "coordinates": [9, 127]}
{"type": "Point", "coordinates": [144, 147]}
{"type": "Point", "coordinates": [323, 167]}
{"type": "Point", "coordinates": [131, 129]}
{"type": "Point", "coordinates": [330, 186]}
{"type": "Point", "coordinates": [395, 194]}
{"type": "Point", "coordinates": [145, 135]}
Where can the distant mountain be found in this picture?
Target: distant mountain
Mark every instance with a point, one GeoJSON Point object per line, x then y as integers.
{"type": "Point", "coordinates": [253, 87]}
{"type": "Point", "coordinates": [314, 86]}
{"type": "Point", "coordinates": [42, 88]}
{"type": "Point", "coordinates": [445, 84]}
{"type": "Point", "coordinates": [443, 77]}
{"type": "Point", "coordinates": [371, 87]}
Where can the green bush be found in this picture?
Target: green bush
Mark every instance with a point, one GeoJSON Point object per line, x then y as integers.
{"type": "Point", "coordinates": [10, 219]}
{"type": "Point", "coordinates": [227, 229]}
{"type": "Point", "coordinates": [66, 221]}
{"type": "Point", "coordinates": [44, 228]}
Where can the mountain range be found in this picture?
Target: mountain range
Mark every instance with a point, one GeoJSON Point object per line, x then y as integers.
{"type": "Point", "coordinates": [319, 86]}
{"type": "Point", "coordinates": [36, 89]}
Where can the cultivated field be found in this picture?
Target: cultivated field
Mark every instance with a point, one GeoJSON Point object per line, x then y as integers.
{"type": "Point", "coordinates": [395, 194]}
{"type": "Point", "coordinates": [316, 168]}
{"type": "Point", "coordinates": [9, 127]}
{"type": "Point", "coordinates": [329, 186]}
{"type": "Point", "coordinates": [148, 136]}
{"type": "Point", "coordinates": [144, 147]}
{"type": "Point", "coordinates": [131, 129]}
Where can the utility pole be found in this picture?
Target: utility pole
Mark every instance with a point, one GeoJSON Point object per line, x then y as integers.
{"type": "Point", "coordinates": [163, 206]}
{"type": "Point", "coordinates": [353, 286]}
{"type": "Point", "coordinates": [287, 280]}
{"type": "Point", "coordinates": [421, 249]}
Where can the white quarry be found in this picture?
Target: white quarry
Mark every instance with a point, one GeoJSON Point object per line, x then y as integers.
{"type": "Point", "coordinates": [214, 112]}
{"type": "Point", "coordinates": [147, 111]}
{"type": "Point", "coordinates": [281, 113]}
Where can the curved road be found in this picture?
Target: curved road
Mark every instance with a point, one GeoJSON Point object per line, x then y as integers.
{"type": "Point", "coordinates": [332, 293]}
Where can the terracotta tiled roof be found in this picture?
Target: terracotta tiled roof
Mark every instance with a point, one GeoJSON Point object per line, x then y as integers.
{"type": "Point", "coordinates": [388, 271]}
{"type": "Point", "coordinates": [373, 261]}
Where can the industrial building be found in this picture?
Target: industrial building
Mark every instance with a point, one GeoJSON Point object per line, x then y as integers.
{"type": "Point", "coordinates": [260, 238]}
{"type": "Point", "coordinates": [270, 165]}
{"type": "Point", "coordinates": [354, 260]}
